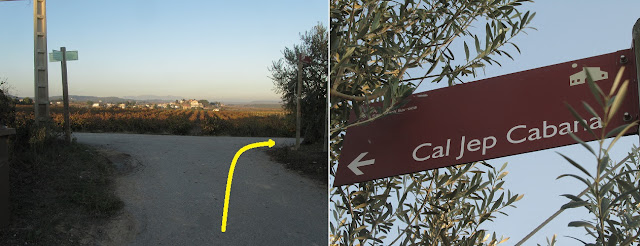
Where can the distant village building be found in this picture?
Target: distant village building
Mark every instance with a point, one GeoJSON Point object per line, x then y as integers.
{"type": "Point", "coordinates": [122, 106]}
{"type": "Point", "coordinates": [95, 105]}
{"type": "Point", "coordinates": [195, 104]}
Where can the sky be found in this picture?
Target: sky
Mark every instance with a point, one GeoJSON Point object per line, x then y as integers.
{"type": "Point", "coordinates": [566, 30]}
{"type": "Point", "coordinates": [215, 50]}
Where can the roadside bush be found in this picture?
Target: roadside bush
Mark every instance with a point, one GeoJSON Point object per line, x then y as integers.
{"type": "Point", "coordinates": [215, 126]}
{"type": "Point", "coordinates": [7, 109]}
{"type": "Point", "coordinates": [179, 125]}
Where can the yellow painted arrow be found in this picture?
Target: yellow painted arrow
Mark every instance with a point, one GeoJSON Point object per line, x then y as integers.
{"type": "Point", "coordinates": [227, 193]}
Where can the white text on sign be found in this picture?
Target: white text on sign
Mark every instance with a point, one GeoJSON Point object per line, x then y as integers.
{"type": "Point", "coordinates": [516, 135]}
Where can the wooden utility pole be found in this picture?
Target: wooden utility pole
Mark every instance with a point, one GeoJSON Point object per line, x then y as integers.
{"type": "Point", "coordinates": [325, 143]}
{"type": "Point", "coordinates": [635, 35]}
{"type": "Point", "coordinates": [298, 95]}
{"type": "Point", "coordinates": [65, 96]}
{"type": "Point", "coordinates": [41, 79]}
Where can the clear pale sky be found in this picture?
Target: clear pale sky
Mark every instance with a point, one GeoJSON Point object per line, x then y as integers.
{"type": "Point", "coordinates": [201, 49]}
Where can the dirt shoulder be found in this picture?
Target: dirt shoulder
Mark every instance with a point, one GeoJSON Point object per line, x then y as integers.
{"type": "Point", "coordinates": [60, 195]}
{"type": "Point", "coordinates": [309, 160]}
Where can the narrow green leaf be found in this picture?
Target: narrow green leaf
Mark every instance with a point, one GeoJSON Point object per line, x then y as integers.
{"type": "Point", "coordinates": [575, 164]}
{"type": "Point", "coordinates": [376, 21]}
{"type": "Point", "coordinates": [616, 81]}
{"type": "Point", "coordinates": [360, 228]}
{"type": "Point", "coordinates": [583, 242]}
{"type": "Point", "coordinates": [519, 197]}
{"type": "Point", "coordinates": [581, 224]}
{"type": "Point", "coordinates": [576, 177]}
{"type": "Point", "coordinates": [604, 207]}
{"type": "Point", "coordinates": [595, 89]}
{"type": "Point", "coordinates": [613, 240]}
{"type": "Point", "coordinates": [620, 134]}
{"type": "Point", "coordinates": [577, 139]}
{"type": "Point", "coordinates": [497, 203]}
{"type": "Point", "coordinates": [575, 204]}
{"type": "Point", "coordinates": [515, 46]}
{"type": "Point", "coordinates": [627, 186]}
{"type": "Point", "coordinates": [616, 131]}
{"type": "Point", "coordinates": [572, 197]}
{"type": "Point", "coordinates": [582, 121]}
{"type": "Point", "coordinates": [622, 196]}
{"type": "Point", "coordinates": [590, 109]}
{"type": "Point", "coordinates": [619, 97]}
{"type": "Point", "coordinates": [466, 50]}
{"type": "Point", "coordinates": [531, 18]}
{"type": "Point", "coordinates": [524, 20]}
{"type": "Point", "coordinates": [602, 164]}
{"type": "Point", "coordinates": [343, 58]}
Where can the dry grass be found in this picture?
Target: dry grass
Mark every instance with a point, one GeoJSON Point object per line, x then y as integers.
{"type": "Point", "coordinates": [309, 160]}
{"type": "Point", "coordinates": [58, 194]}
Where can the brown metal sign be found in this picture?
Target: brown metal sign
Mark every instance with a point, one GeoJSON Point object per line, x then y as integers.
{"type": "Point", "coordinates": [490, 118]}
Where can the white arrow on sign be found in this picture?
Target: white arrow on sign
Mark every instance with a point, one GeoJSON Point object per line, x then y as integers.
{"type": "Point", "coordinates": [358, 163]}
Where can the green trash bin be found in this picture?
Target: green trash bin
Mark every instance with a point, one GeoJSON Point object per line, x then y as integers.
{"type": "Point", "coordinates": [4, 175]}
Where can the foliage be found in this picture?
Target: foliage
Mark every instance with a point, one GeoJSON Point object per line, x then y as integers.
{"type": "Point", "coordinates": [378, 47]}
{"type": "Point", "coordinates": [380, 52]}
{"type": "Point", "coordinates": [7, 106]}
{"type": "Point", "coordinates": [57, 189]}
{"type": "Point", "coordinates": [552, 241]}
{"type": "Point", "coordinates": [57, 193]}
{"type": "Point", "coordinates": [612, 192]}
{"type": "Point", "coordinates": [440, 207]}
{"type": "Point", "coordinates": [27, 101]}
{"type": "Point", "coordinates": [313, 101]}
{"type": "Point", "coordinates": [309, 160]}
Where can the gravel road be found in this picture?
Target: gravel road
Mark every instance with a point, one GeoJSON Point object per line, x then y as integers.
{"type": "Point", "coordinates": [174, 188]}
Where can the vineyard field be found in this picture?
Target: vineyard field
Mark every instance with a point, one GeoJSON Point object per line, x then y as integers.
{"type": "Point", "coordinates": [170, 121]}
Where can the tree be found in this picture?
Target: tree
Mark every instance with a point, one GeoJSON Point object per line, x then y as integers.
{"type": "Point", "coordinates": [612, 191]}
{"type": "Point", "coordinates": [7, 105]}
{"type": "Point", "coordinates": [381, 51]}
{"type": "Point", "coordinates": [204, 102]}
{"type": "Point", "coordinates": [284, 74]}
{"type": "Point", "coordinates": [27, 101]}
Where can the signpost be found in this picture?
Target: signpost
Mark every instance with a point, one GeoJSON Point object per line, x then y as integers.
{"type": "Point", "coordinates": [56, 55]}
{"type": "Point", "coordinates": [63, 56]}
{"type": "Point", "coordinates": [306, 60]}
{"type": "Point", "coordinates": [490, 118]}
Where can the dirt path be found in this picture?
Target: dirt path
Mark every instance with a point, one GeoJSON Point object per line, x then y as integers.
{"type": "Point", "coordinates": [173, 188]}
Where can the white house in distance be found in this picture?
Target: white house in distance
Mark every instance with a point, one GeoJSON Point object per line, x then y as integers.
{"type": "Point", "coordinates": [195, 104]}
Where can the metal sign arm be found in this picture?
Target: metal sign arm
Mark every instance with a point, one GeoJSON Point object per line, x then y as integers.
{"type": "Point", "coordinates": [636, 51]}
